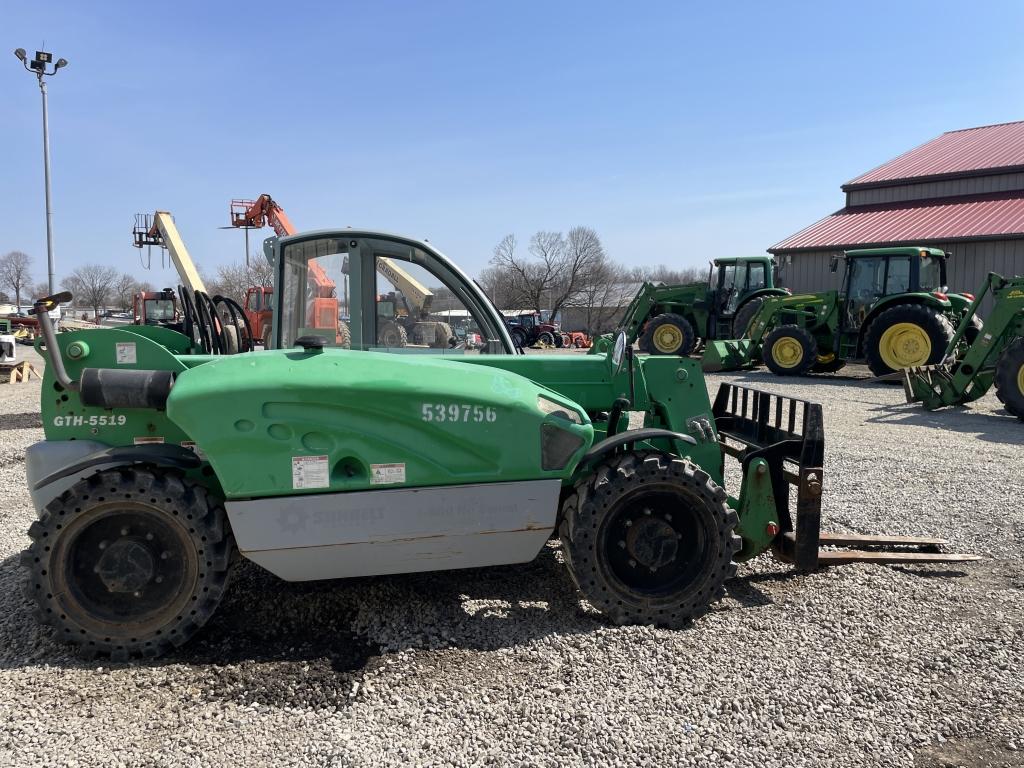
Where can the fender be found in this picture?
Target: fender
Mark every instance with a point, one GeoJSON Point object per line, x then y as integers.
{"type": "Point", "coordinates": [160, 455]}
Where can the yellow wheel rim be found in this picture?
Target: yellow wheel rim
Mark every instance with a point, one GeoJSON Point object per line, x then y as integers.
{"type": "Point", "coordinates": [667, 339]}
{"type": "Point", "coordinates": [787, 352]}
{"type": "Point", "coordinates": [1020, 379]}
{"type": "Point", "coordinates": [904, 345]}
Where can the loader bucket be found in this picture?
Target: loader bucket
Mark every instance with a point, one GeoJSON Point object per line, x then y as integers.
{"type": "Point", "coordinates": [728, 355]}
{"type": "Point", "coordinates": [789, 435]}
{"type": "Point", "coordinates": [926, 383]}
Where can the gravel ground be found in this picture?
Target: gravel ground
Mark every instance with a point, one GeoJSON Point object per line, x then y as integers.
{"type": "Point", "coordinates": [855, 666]}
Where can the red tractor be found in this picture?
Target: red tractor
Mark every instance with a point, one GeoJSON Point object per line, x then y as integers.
{"type": "Point", "coordinates": [529, 328]}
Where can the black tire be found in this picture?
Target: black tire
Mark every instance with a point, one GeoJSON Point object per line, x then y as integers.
{"type": "Point", "coordinates": [827, 365]}
{"type": "Point", "coordinates": [621, 531]}
{"type": "Point", "coordinates": [391, 334]}
{"type": "Point", "coordinates": [932, 324]}
{"type": "Point", "coordinates": [1009, 379]}
{"type": "Point", "coordinates": [345, 335]}
{"type": "Point", "coordinates": [166, 551]}
{"type": "Point", "coordinates": [265, 335]}
{"type": "Point", "coordinates": [668, 334]}
{"type": "Point", "coordinates": [789, 350]}
{"type": "Point", "coordinates": [744, 315]}
{"type": "Point", "coordinates": [973, 330]}
{"type": "Point", "coordinates": [546, 338]}
{"type": "Point", "coordinates": [519, 338]}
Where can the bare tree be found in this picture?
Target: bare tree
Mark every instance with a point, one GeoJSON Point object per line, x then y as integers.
{"type": "Point", "coordinates": [91, 285]}
{"type": "Point", "coordinates": [234, 280]}
{"type": "Point", "coordinates": [662, 274]}
{"type": "Point", "coordinates": [124, 288]}
{"type": "Point", "coordinates": [40, 289]}
{"type": "Point", "coordinates": [15, 273]}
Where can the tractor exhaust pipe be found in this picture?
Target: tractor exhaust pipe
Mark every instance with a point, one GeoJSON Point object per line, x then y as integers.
{"type": "Point", "coordinates": [41, 309]}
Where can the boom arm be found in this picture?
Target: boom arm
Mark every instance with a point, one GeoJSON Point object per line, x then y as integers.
{"type": "Point", "coordinates": [162, 231]}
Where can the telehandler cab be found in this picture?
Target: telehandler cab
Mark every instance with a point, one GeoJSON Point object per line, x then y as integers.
{"type": "Point", "coordinates": [321, 462]}
{"type": "Point", "coordinates": [894, 311]}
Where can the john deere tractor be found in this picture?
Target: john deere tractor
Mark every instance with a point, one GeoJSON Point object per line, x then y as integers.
{"type": "Point", "coordinates": [673, 319]}
{"type": "Point", "coordinates": [315, 461]}
{"type": "Point", "coordinates": [893, 312]}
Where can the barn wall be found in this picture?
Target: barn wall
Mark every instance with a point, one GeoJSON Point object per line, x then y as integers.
{"type": "Point", "coordinates": [977, 185]}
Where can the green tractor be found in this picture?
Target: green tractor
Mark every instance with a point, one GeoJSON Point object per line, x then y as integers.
{"type": "Point", "coordinates": [162, 462]}
{"type": "Point", "coordinates": [893, 312]}
{"type": "Point", "coordinates": [995, 356]}
{"type": "Point", "coordinates": [671, 319]}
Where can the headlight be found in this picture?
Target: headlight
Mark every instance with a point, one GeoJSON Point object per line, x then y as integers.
{"type": "Point", "coordinates": [557, 409]}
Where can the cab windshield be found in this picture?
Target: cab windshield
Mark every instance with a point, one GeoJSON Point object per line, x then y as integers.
{"type": "Point", "coordinates": [374, 293]}
{"type": "Point", "coordinates": [159, 310]}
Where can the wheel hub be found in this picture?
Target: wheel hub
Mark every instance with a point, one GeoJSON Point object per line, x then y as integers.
{"type": "Point", "coordinates": [668, 338]}
{"type": "Point", "coordinates": [125, 566]}
{"type": "Point", "coordinates": [787, 352]}
{"type": "Point", "coordinates": [905, 345]}
{"type": "Point", "coordinates": [652, 542]}
{"type": "Point", "coordinates": [1020, 379]}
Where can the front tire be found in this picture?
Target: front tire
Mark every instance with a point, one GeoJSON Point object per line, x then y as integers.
{"type": "Point", "coordinates": [391, 334]}
{"type": "Point", "coordinates": [906, 336]}
{"type": "Point", "coordinates": [789, 350]}
{"type": "Point", "coordinates": [1009, 379]}
{"type": "Point", "coordinates": [668, 334]}
{"type": "Point", "coordinates": [648, 539]}
{"type": "Point", "coordinates": [546, 339]}
{"type": "Point", "coordinates": [128, 563]}
{"type": "Point", "coordinates": [741, 322]}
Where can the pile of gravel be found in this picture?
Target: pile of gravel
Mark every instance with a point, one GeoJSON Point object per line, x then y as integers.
{"type": "Point", "coordinates": [853, 666]}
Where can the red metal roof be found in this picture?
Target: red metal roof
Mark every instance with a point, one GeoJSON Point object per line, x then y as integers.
{"type": "Point", "coordinates": [914, 222]}
{"type": "Point", "coordinates": [955, 152]}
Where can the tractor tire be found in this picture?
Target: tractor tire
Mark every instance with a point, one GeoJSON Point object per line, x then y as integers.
{"type": "Point", "coordinates": [1009, 379]}
{"type": "Point", "coordinates": [265, 334]}
{"type": "Point", "coordinates": [519, 338]}
{"type": "Point", "coordinates": [905, 336]}
{"type": "Point", "coordinates": [668, 334]}
{"type": "Point", "coordinates": [391, 334]}
{"type": "Point", "coordinates": [828, 364]}
{"type": "Point", "coordinates": [746, 313]}
{"type": "Point", "coordinates": [567, 342]}
{"type": "Point", "coordinates": [547, 339]}
{"type": "Point", "coordinates": [648, 539]}
{"type": "Point", "coordinates": [442, 335]}
{"type": "Point", "coordinates": [129, 562]}
{"type": "Point", "coordinates": [789, 350]}
{"type": "Point", "coordinates": [344, 335]}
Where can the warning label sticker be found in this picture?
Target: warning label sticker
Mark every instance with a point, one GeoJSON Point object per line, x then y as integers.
{"type": "Point", "coordinates": [310, 472]}
{"type": "Point", "coordinates": [126, 353]}
{"type": "Point", "coordinates": [148, 440]}
{"type": "Point", "coordinates": [386, 474]}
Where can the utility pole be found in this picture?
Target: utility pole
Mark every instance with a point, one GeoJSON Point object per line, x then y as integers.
{"type": "Point", "coordinates": [38, 66]}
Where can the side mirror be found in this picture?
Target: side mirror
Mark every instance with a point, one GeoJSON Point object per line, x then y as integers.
{"type": "Point", "coordinates": [833, 265]}
{"type": "Point", "coordinates": [618, 352]}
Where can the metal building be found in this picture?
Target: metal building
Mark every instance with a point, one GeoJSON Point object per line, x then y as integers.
{"type": "Point", "coordinates": [962, 192]}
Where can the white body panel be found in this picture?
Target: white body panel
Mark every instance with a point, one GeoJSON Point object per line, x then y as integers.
{"type": "Point", "coordinates": [404, 530]}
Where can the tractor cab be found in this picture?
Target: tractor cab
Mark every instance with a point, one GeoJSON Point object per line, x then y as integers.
{"type": "Point", "coordinates": [875, 274]}
{"type": "Point", "coordinates": [155, 308]}
{"type": "Point", "coordinates": [738, 279]}
{"type": "Point", "coordinates": [399, 295]}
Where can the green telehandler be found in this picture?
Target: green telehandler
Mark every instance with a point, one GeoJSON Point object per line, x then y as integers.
{"type": "Point", "coordinates": [893, 312]}
{"type": "Point", "coordinates": [162, 460]}
{"type": "Point", "coordinates": [995, 356]}
{"type": "Point", "coordinates": [671, 319]}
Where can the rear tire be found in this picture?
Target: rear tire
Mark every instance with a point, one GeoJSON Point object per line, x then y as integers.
{"type": "Point", "coordinates": [519, 338]}
{"type": "Point", "coordinates": [1009, 379]}
{"type": "Point", "coordinates": [344, 335]}
{"type": "Point", "coordinates": [789, 350]}
{"type": "Point", "coordinates": [648, 539]}
{"type": "Point", "coordinates": [905, 336]}
{"type": "Point", "coordinates": [668, 334]}
{"type": "Point", "coordinates": [128, 563]}
{"type": "Point", "coordinates": [547, 339]}
{"type": "Point", "coordinates": [391, 334]}
{"type": "Point", "coordinates": [741, 322]}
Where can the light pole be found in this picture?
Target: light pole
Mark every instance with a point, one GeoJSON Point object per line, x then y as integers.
{"type": "Point", "coordinates": [38, 66]}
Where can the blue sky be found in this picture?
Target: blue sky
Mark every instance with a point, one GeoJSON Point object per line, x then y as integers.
{"type": "Point", "coordinates": [679, 131]}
